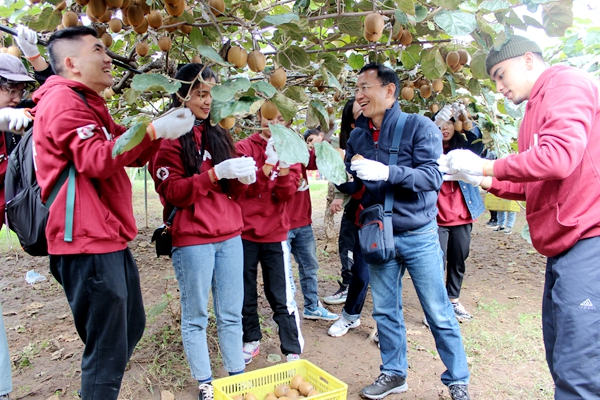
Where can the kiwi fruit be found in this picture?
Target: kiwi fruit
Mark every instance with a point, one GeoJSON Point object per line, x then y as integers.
{"type": "Point", "coordinates": [60, 6]}
{"type": "Point", "coordinates": [114, 3]}
{"type": "Point", "coordinates": [374, 23]}
{"type": "Point", "coordinates": [249, 396]}
{"type": "Point", "coordinates": [141, 28]}
{"type": "Point", "coordinates": [269, 111]}
{"type": "Point", "coordinates": [305, 388]}
{"type": "Point", "coordinates": [296, 381]}
{"type": "Point", "coordinates": [293, 394]}
{"type": "Point", "coordinates": [238, 397]}
{"type": "Point", "coordinates": [82, 2]}
{"type": "Point", "coordinates": [164, 43]}
{"type": "Point", "coordinates": [278, 78]}
{"type": "Point", "coordinates": [142, 49]}
{"type": "Point", "coordinates": [408, 93]}
{"type": "Point", "coordinates": [106, 39]}
{"type": "Point", "coordinates": [14, 51]}
{"type": "Point", "coordinates": [237, 56]}
{"type": "Point", "coordinates": [228, 123]}
{"type": "Point", "coordinates": [185, 29]}
{"type": "Point", "coordinates": [468, 125]}
{"type": "Point", "coordinates": [438, 85]}
{"type": "Point", "coordinates": [434, 107]}
{"type": "Point", "coordinates": [69, 19]}
{"type": "Point", "coordinates": [115, 25]}
{"type": "Point", "coordinates": [216, 7]}
{"type": "Point", "coordinates": [458, 126]}
{"type": "Point", "coordinates": [108, 93]}
{"type": "Point", "coordinates": [135, 15]}
{"type": "Point", "coordinates": [155, 19]}
{"type": "Point", "coordinates": [463, 56]}
{"type": "Point", "coordinates": [452, 59]}
{"type": "Point", "coordinates": [313, 392]}
{"type": "Point", "coordinates": [406, 38]}
{"type": "Point", "coordinates": [177, 10]}
{"type": "Point", "coordinates": [125, 4]}
{"type": "Point", "coordinates": [106, 16]}
{"type": "Point", "coordinates": [281, 390]}
{"type": "Point", "coordinates": [256, 61]}
{"type": "Point", "coordinates": [197, 60]}
{"type": "Point", "coordinates": [96, 8]}
{"type": "Point", "coordinates": [425, 91]}
{"type": "Point", "coordinates": [356, 157]}
{"type": "Point", "coordinates": [457, 68]}
{"type": "Point", "coordinates": [372, 37]}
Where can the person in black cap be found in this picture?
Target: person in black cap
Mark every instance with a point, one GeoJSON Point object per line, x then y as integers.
{"type": "Point", "coordinates": [557, 173]}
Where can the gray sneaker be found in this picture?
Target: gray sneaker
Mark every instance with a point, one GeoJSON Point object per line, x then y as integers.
{"type": "Point", "coordinates": [338, 297]}
{"type": "Point", "coordinates": [460, 313]}
{"type": "Point", "coordinates": [459, 392]}
{"type": "Point", "coordinates": [384, 384]}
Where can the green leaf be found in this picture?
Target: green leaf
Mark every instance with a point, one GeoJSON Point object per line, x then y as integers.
{"type": "Point", "coordinates": [432, 63]}
{"type": "Point", "coordinates": [187, 17]}
{"type": "Point", "coordinates": [296, 93]}
{"type": "Point", "coordinates": [356, 61]}
{"type": "Point", "coordinates": [293, 56]}
{"type": "Point", "coordinates": [48, 20]}
{"type": "Point", "coordinates": [557, 18]}
{"type": "Point", "coordinates": [477, 65]}
{"type": "Point", "coordinates": [211, 33]}
{"type": "Point", "coordinates": [351, 26]}
{"type": "Point", "coordinates": [196, 37]}
{"type": "Point", "coordinates": [264, 88]}
{"type": "Point", "coordinates": [212, 55]}
{"type": "Point", "coordinates": [239, 108]}
{"type": "Point", "coordinates": [131, 138]}
{"type": "Point", "coordinates": [227, 90]}
{"type": "Point", "coordinates": [8, 9]}
{"type": "Point", "coordinates": [331, 80]}
{"type": "Point", "coordinates": [401, 18]}
{"type": "Point", "coordinates": [514, 20]}
{"type": "Point", "coordinates": [474, 86]}
{"type": "Point", "coordinates": [290, 147]}
{"type": "Point", "coordinates": [420, 13]}
{"type": "Point", "coordinates": [301, 6]}
{"type": "Point", "coordinates": [411, 56]}
{"type": "Point", "coordinates": [456, 23]}
{"type": "Point", "coordinates": [406, 6]}
{"type": "Point", "coordinates": [131, 96]}
{"type": "Point", "coordinates": [330, 163]}
{"type": "Point", "coordinates": [279, 19]}
{"type": "Point", "coordinates": [494, 5]}
{"type": "Point", "coordinates": [157, 309]}
{"type": "Point", "coordinates": [331, 62]}
{"type": "Point", "coordinates": [317, 115]}
{"type": "Point", "coordinates": [449, 4]}
{"type": "Point", "coordinates": [285, 105]}
{"type": "Point", "coordinates": [154, 83]}
{"type": "Point", "coordinates": [532, 22]}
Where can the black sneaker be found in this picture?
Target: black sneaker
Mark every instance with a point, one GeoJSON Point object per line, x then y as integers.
{"type": "Point", "coordinates": [206, 392]}
{"type": "Point", "coordinates": [384, 384]}
{"type": "Point", "coordinates": [459, 392]}
{"type": "Point", "coordinates": [338, 297]}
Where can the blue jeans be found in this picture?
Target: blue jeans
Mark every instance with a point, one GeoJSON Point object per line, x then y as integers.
{"type": "Point", "coordinates": [507, 219]}
{"type": "Point", "coordinates": [200, 269]}
{"type": "Point", "coordinates": [5, 374]}
{"type": "Point", "coordinates": [418, 252]}
{"type": "Point", "coordinates": [301, 242]}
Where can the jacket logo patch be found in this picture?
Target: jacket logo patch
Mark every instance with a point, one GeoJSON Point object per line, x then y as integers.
{"type": "Point", "coordinates": [86, 132]}
{"type": "Point", "coordinates": [108, 135]}
{"type": "Point", "coordinates": [207, 156]}
{"type": "Point", "coordinates": [162, 173]}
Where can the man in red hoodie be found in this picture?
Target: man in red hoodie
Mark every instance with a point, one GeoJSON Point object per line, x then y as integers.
{"type": "Point", "coordinates": [94, 266]}
{"type": "Point", "coordinates": [557, 173]}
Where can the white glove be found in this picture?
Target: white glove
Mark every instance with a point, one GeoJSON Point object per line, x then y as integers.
{"type": "Point", "coordinates": [235, 168]}
{"type": "Point", "coordinates": [458, 109]}
{"type": "Point", "coordinates": [272, 157]}
{"type": "Point", "coordinates": [461, 176]}
{"type": "Point", "coordinates": [443, 115]}
{"type": "Point", "coordinates": [465, 161]}
{"type": "Point", "coordinates": [248, 180]}
{"type": "Point", "coordinates": [13, 119]}
{"type": "Point", "coordinates": [173, 123]}
{"type": "Point", "coordinates": [27, 41]}
{"type": "Point", "coordinates": [283, 164]}
{"type": "Point", "coordinates": [444, 166]}
{"type": "Point", "coordinates": [370, 170]}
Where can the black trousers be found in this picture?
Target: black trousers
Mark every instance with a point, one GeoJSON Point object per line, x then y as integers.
{"type": "Point", "coordinates": [455, 242]}
{"type": "Point", "coordinates": [104, 294]}
{"type": "Point", "coordinates": [346, 241]}
{"type": "Point", "coordinates": [273, 258]}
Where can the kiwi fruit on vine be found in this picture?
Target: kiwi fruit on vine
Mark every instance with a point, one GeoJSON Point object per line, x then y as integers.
{"type": "Point", "coordinates": [237, 56]}
{"type": "Point", "coordinates": [256, 61]}
{"type": "Point", "coordinates": [142, 49]}
{"type": "Point", "coordinates": [14, 51]}
{"type": "Point", "coordinates": [373, 27]}
{"type": "Point", "coordinates": [82, 2]}
{"type": "Point", "coordinates": [114, 3]}
{"type": "Point", "coordinates": [96, 8]}
{"type": "Point", "coordinates": [106, 16]}
{"type": "Point", "coordinates": [164, 43]}
{"type": "Point", "coordinates": [400, 31]}
{"type": "Point", "coordinates": [269, 111]}
{"type": "Point", "coordinates": [434, 107]}
{"type": "Point", "coordinates": [115, 25]}
{"type": "Point", "coordinates": [69, 19]}
{"type": "Point", "coordinates": [106, 39]}
{"type": "Point", "coordinates": [141, 28]}
{"type": "Point", "coordinates": [457, 68]}
{"type": "Point", "coordinates": [458, 126]}
{"type": "Point", "coordinates": [463, 56]}
{"type": "Point", "coordinates": [143, 5]}
{"type": "Point", "coordinates": [408, 93]}
{"type": "Point", "coordinates": [237, 130]}
{"type": "Point", "coordinates": [468, 125]}
{"type": "Point", "coordinates": [125, 4]}
{"type": "Point", "coordinates": [406, 38]}
{"type": "Point", "coordinates": [425, 91]}
{"type": "Point", "coordinates": [438, 85]}
{"type": "Point", "coordinates": [108, 93]}
{"type": "Point", "coordinates": [155, 19]}
{"type": "Point", "coordinates": [177, 10]}
{"type": "Point", "coordinates": [60, 6]}
{"type": "Point", "coordinates": [228, 123]}
{"type": "Point", "coordinates": [196, 60]}
{"type": "Point", "coordinates": [185, 28]}
{"type": "Point", "coordinates": [216, 7]}
{"type": "Point", "coordinates": [135, 15]}
{"type": "Point", "coordinates": [452, 59]}
{"type": "Point", "coordinates": [278, 78]}
{"type": "Point", "coordinates": [100, 30]}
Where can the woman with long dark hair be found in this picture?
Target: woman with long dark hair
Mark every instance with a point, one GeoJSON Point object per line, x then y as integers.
{"type": "Point", "coordinates": [201, 176]}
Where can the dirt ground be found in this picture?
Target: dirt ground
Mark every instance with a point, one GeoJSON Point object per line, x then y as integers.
{"type": "Point", "coordinates": [502, 289]}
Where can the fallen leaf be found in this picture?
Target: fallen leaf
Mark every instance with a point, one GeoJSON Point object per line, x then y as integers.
{"type": "Point", "coordinates": [166, 395]}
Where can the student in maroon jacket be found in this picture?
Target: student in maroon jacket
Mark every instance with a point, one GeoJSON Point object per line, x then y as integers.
{"type": "Point", "coordinates": [265, 241]}
{"type": "Point", "coordinates": [199, 174]}
{"type": "Point", "coordinates": [95, 268]}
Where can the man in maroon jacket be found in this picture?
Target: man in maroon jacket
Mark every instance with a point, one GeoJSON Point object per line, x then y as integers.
{"type": "Point", "coordinates": [95, 266]}
{"type": "Point", "coordinates": [557, 173]}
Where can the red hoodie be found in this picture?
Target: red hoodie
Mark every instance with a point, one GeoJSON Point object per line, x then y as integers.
{"type": "Point", "coordinates": [300, 207]}
{"type": "Point", "coordinates": [205, 214]}
{"type": "Point", "coordinates": [264, 203]}
{"type": "Point", "coordinates": [67, 130]}
{"type": "Point", "coordinates": [557, 170]}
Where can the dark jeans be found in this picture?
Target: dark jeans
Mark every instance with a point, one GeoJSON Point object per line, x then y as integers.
{"type": "Point", "coordinates": [273, 258]}
{"type": "Point", "coordinates": [347, 238]}
{"type": "Point", "coordinates": [455, 242]}
{"type": "Point", "coordinates": [359, 284]}
{"type": "Point", "coordinates": [104, 294]}
{"type": "Point", "coordinates": [570, 320]}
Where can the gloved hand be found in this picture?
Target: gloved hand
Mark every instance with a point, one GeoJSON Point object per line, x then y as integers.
{"type": "Point", "coordinates": [272, 157]}
{"type": "Point", "coordinates": [235, 168]}
{"type": "Point", "coordinates": [465, 161]}
{"type": "Point", "coordinates": [172, 124]}
{"type": "Point", "coordinates": [370, 170]}
{"type": "Point", "coordinates": [443, 165]}
{"type": "Point", "coordinates": [443, 115]}
{"type": "Point", "coordinates": [461, 176]}
{"type": "Point", "coordinates": [13, 119]}
{"type": "Point", "coordinates": [458, 109]}
{"type": "Point", "coordinates": [283, 164]}
{"type": "Point", "coordinates": [304, 186]}
{"type": "Point", "coordinates": [248, 180]}
{"type": "Point", "coordinates": [27, 41]}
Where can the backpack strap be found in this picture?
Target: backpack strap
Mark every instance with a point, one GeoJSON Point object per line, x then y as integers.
{"type": "Point", "coordinates": [394, 149]}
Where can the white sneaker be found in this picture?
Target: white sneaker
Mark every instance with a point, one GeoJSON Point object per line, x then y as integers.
{"type": "Point", "coordinates": [341, 327]}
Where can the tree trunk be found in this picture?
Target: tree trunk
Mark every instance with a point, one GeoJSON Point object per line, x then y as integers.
{"type": "Point", "coordinates": [330, 232]}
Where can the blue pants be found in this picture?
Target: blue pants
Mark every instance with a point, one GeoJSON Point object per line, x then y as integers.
{"type": "Point", "coordinates": [507, 219]}
{"type": "Point", "coordinates": [5, 374]}
{"type": "Point", "coordinates": [571, 320]}
{"type": "Point", "coordinates": [301, 242]}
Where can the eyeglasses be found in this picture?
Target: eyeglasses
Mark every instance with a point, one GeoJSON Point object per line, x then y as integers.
{"type": "Point", "coordinates": [14, 90]}
{"type": "Point", "coordinates": [365, 88]}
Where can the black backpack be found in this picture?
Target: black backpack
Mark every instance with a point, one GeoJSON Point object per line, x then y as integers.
{"type": "Point", "coordinates": [26, 214]}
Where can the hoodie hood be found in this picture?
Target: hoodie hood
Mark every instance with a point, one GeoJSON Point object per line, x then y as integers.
{"type": "Point", "coordinates": [56, 80]}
